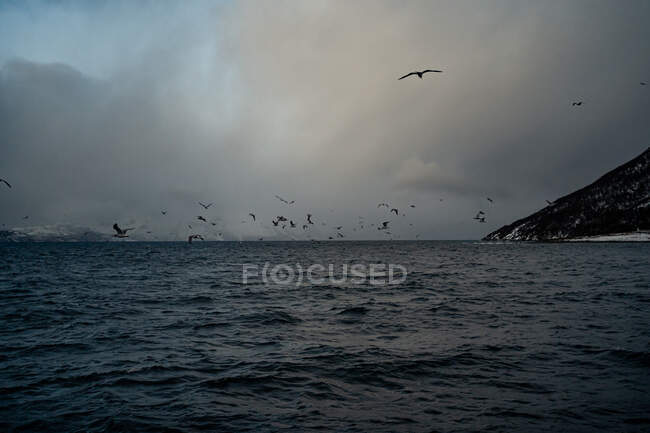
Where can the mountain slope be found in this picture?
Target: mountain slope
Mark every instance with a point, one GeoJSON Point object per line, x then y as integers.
{"type": "Point", "coordinates": [617, 202]}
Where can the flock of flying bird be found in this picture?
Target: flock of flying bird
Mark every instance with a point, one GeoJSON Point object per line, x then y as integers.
{"type": "Point", "coordinates": [281, 221]}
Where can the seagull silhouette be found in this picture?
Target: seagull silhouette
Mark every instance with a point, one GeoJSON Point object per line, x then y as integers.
{"type": "Point", "coordinates": [383, 204]}
{"type": "Point", "coordinates": [190, 238]}
{"type": "Point", "coordinates": [121, 233]}
{"type": "Point", "coordinates": [578, 103]}
{"type": "Point", "coordinates": [419, 73]}
{"type": "Point", "coordinates": [292, 224]}
{"type": "Point", "coordinates": [164, 212]}
{"type": "Point", "coordinates": [395, 210]}
{"type": "Point", "coordinates": [205, 206]}
{"type": "Point", "coordinates": [5, 182]}
{"type": "Point", "coordinates": [490, 200]}
{"type": "Point", "coordinates": [253, 215]}
{"type": "Point", "coordinates": [200, 218]}
{"type": "Point", "coordinates": [285, 201]}
{"type": "Point", "coordinates": [411, 205]}
{"type": "Point", "coordinates": [275, 223]}
{"type": "Point", "coordinates": [309, 219]}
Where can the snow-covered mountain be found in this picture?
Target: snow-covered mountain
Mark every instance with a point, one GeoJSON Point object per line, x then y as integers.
{"type": "Point", "coordinates": [618, 202]}
{"type": "Point", "coordinates": [52, 233]}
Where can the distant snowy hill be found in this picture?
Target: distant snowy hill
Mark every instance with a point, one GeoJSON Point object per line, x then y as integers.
{"type": "Point", "coordinates": [52, 233]}
{"type": "Point", "coordinates": [617, 203]}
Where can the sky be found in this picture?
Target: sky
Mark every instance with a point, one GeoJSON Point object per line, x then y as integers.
{"type": "Point", "coordinates": [112, 111]}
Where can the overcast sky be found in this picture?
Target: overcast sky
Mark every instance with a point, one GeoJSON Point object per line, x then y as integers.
{"type": "Point", "coordinates": [113, 111]}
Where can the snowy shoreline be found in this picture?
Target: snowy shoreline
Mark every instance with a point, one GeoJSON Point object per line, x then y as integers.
{"type": "Point", "coordinates": [614, 237]}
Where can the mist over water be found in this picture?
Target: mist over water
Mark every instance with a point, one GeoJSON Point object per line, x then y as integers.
{"type": "Point", "coordinates": [480, 336]}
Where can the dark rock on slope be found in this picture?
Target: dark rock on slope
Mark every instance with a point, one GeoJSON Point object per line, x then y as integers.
{"type": "Point", "coordinates": [618, 202]}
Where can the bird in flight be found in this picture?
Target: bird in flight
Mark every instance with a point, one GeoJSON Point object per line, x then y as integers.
{"type": "Point", "coordinates": [164, 212]}
{"type": "Point", "coordinates": [490, 200]}
{"type": "Point", "coordinates": [252, 215]}
{"type": "Point", "coordinates": [419, 73]}
{"type": "Point", "coordinates": [200, 218]}
{"type": "Point", "coordinates": [26, 217]}
{"type": "Point", "coordinates": [383, 204]}
{"type": "Point", "coordinates": [285, 201]}
{"type": "Point", "coordinates": [384, 225]}
{"type": "Point", "coordinates": [305, 226]}
{"type": "Point", "coordinates": [5, 182]}
{"type": "Point", "coordinates": [292, 224]}
{"type": "Point", "coordinates": [281, 218]}
{"type": "Point", "coordinates": [339, 227]}
{"type": "Point", "coordinates": [121, 233]}
{"type": "Point", "coordinates": [275, 223]}
{"type": "Point", "coordinates": [412, 205]}
{"type": "Point", "coordinates": [309, 219]}
{"type": "Point", "coordinates": [205, 206]}
{"type": "Point", "coordinates": [643, 83]}
{"type": "Point", "coordinates": [395, 210]}
{"type": "Point", "coordinates": [576, 104]}
{"type": "Point", "coordinates": [190, 238]}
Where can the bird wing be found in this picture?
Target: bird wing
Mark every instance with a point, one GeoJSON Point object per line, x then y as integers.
{"type": "Point", "coordinates": [281, 199]}
{"type": "Point", "coordinates": [127, 229]}
{"type": "Point", "coordinates": [117, 229]}
{"type": "Point", "coordinates": [5, 182]}
{"type": "Point", "coordinates": [431, 70]}
{"type": "Point", "coordinates": [407, 75]}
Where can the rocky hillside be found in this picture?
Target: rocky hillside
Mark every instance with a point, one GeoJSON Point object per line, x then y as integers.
{"type": "Point", "coordinates": [618, 202]}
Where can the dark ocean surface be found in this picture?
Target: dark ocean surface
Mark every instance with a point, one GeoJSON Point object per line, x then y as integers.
{"type": "Point", "coordinates": [480, 336]}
